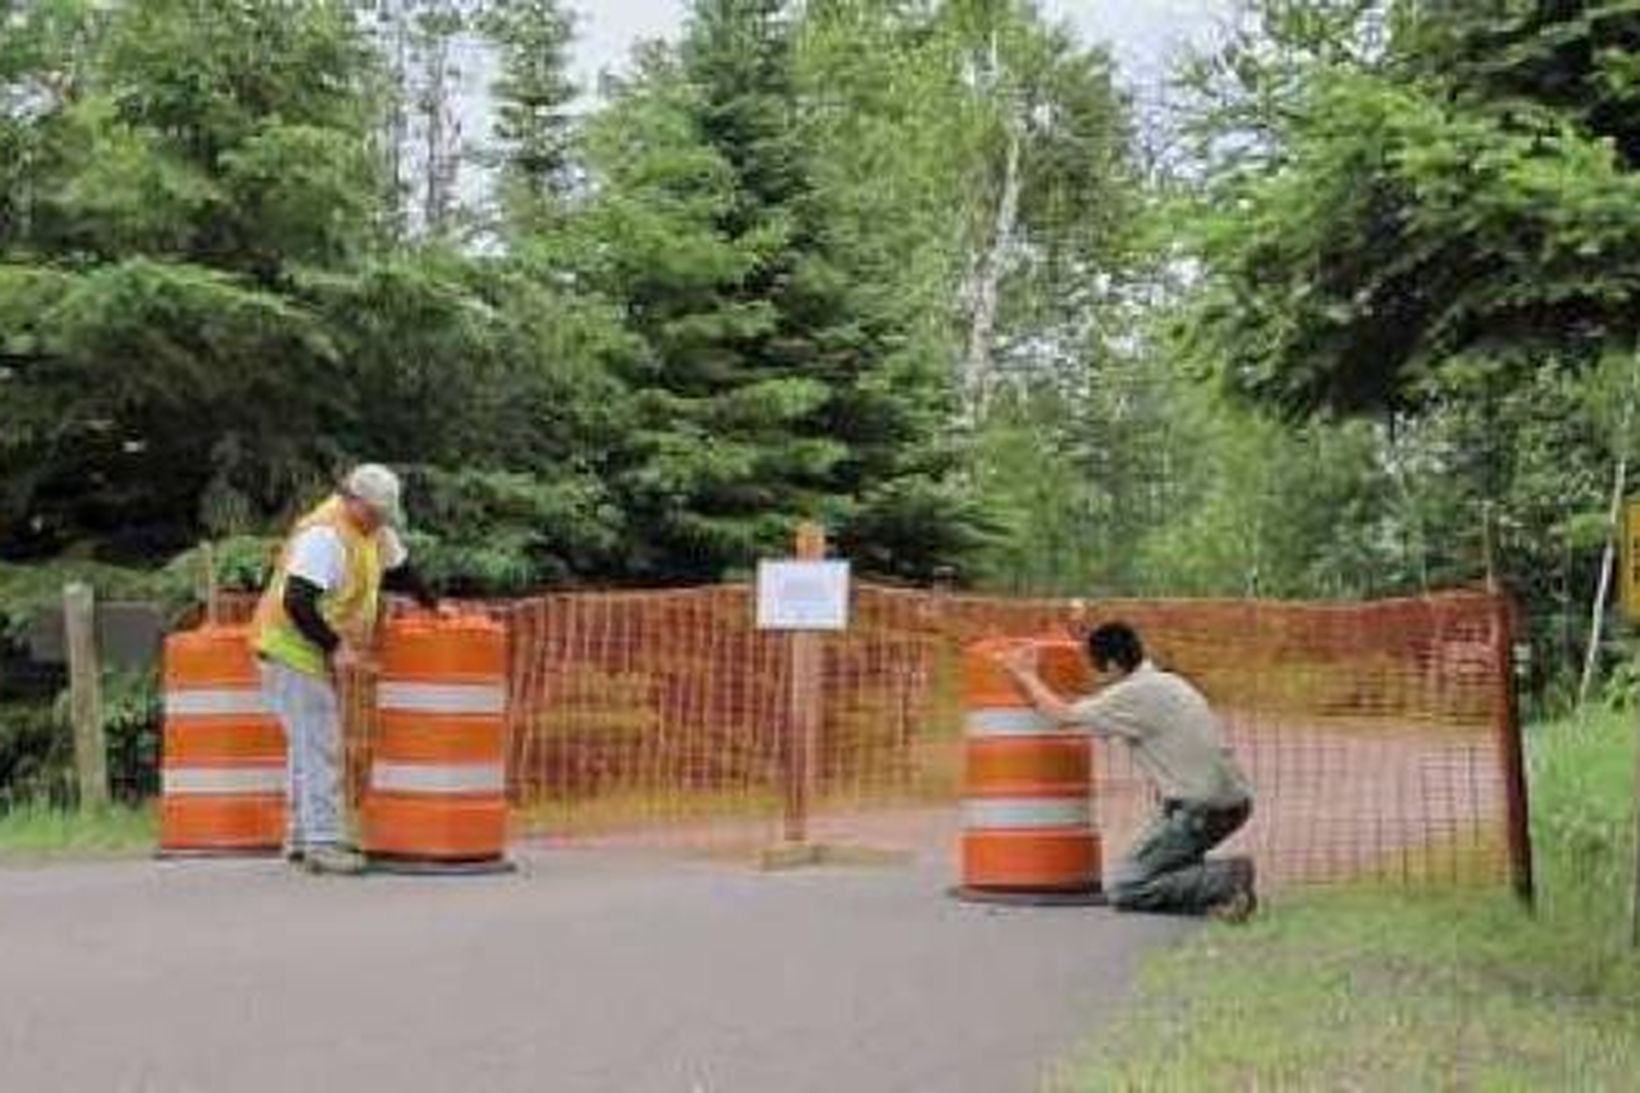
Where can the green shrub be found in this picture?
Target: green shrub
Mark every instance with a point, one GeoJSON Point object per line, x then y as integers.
{"type": "Point", "coordinates": [35, 754]}
{"type": "Point", "coordinates": [37, 743]}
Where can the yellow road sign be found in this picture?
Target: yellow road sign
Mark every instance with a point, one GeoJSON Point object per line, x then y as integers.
{"type": "Point", "coordinates": [1631, 560]}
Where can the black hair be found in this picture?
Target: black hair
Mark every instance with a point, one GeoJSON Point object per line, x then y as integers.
{"type": "Point", "coordinates": [1118, 643]}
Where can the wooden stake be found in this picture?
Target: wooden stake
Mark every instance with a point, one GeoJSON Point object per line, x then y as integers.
{"type": "Point", "coordinates": [1487, 546]}
{"type": "Point", "coordinates": [85, 693]}
{"type": "Point", "coordinates": [208, 589]}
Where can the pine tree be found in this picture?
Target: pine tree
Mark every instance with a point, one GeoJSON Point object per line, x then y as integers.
{"type": "Point", "coordinates": [770, 392]}
{"type": "Point", "coordinates": [533, 95]}
{"type": "Point", "coordinates": [185, 159]}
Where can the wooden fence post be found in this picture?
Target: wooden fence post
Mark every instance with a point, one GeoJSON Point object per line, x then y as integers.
{"type": "Point", "coordinates": [208, 589]}
{"type": "Point", "coordinates": [85, 693]}
{"type": "Point", "coordinates": [1514, 758]}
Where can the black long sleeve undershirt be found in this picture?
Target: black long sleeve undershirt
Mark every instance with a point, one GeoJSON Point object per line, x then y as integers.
{"type": "Point", "coordinates": [302, 605]}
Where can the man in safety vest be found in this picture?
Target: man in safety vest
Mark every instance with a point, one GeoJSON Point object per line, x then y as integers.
{"type": "Point", "coordinates": [1177, 741]}
{"type": "Point", "coordinates": [316, 619]}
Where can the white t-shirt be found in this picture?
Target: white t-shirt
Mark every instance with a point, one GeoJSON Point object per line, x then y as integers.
{"type": "Point", "coordinates": [1175, 736]}
{"type": "Point", "coordinates": [318, 555]}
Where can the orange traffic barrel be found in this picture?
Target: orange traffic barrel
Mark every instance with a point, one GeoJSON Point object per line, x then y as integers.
{"type": "Point", "coordinates": [1028, 832]}
{"type": "Point", "coordinates": [222, 772]}
{"type": "Point", "coordinates": [436, 797]}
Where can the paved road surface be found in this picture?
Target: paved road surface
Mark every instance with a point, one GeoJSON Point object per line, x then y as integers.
{"type": "Point", "coordinates": [586, 971]}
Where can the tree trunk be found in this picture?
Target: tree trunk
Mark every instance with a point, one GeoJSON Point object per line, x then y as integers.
{"type": "Point", "coordinates": [977, 365]}
{"type": "Point", "coordinates": [440, 133]}
{"type": "Point", "coordinates": [1614, 516]}
{"type": "Point", "coordinates": [396, 123]}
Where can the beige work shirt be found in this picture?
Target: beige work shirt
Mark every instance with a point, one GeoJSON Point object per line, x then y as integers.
{"type": "Point", "coordinates": [1175, 737]}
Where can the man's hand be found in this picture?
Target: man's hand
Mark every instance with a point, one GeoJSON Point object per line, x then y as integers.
{"type": "Point", "coordinates": [350, 657]}
{"type": "Point", "coordinates": [1019, 660]}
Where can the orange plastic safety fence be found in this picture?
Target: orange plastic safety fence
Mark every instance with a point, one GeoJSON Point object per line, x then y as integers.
{"type": "Point", "coordinates": [1379, 736]}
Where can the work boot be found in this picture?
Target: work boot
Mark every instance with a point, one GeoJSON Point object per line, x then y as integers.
{"type": "Point", "coordinates": [1242, 902]}
{"type": "Point", "coordinates": [335, 860]}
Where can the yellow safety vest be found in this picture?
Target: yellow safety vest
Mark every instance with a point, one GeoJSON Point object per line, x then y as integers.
{"type": "Point", "coordinates": [350, 609]}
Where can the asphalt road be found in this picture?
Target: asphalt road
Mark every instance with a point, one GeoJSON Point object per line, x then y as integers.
{"type": "Point", "coordinates": [584, 971]}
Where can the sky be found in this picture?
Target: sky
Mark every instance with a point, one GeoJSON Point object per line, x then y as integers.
{"type": "Point", "coordinates": [1142, 32]}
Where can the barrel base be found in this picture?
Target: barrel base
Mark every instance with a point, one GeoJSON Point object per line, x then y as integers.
{"type": "Point", "coordinates": [433, 828]}
{"type": "Point", "coordinates": [229, 823]}
{"type": "Point", "coordinates": [207, 853]}
{"type": "Point", "coordinates": [1058, 859]}
{"type": "Point", "coordinates": [1091, 896]}
{"type": "Point", "coordinates": [436, 867]}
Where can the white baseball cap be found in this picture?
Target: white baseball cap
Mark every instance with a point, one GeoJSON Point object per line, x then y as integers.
{"type": "Point", "coordinates": [377, 487]}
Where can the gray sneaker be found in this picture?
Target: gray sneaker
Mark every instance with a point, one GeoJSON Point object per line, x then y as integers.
{"type": "Point", "coordinates": [335, 860]}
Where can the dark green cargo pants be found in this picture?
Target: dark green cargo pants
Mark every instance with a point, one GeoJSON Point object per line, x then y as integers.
{"type": "Point", "coordinates": [1167, 870]}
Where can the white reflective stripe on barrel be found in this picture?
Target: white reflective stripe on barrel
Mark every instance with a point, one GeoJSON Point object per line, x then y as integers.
{"type": "Point", "coordinates": [1016, 813]}
{"type": "Point", "coordinates": [1008, 721]}
{"type": "Point", "coordinates": [457, 698]}
{"type": "Point", "coordinates": [438, 778]}
{"type": "Point", "coordinates": [187, 780]}
{"type": "Point", "coordinates": [216, 702]}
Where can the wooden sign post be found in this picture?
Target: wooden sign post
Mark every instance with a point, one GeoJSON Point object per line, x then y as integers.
{"type": "Point", "coordinates": [804, 596]}
{"type": "Point", "coordinates": [804, 704]}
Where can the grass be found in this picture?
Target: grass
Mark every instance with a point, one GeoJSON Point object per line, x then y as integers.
{"type": "Point", "coordinates": [1376, 989]}
{"type": "Point", "coordinates": [33, 832]}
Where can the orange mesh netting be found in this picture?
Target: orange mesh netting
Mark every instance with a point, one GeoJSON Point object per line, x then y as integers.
{"type": "Point", "coordinates": [1380, 737]}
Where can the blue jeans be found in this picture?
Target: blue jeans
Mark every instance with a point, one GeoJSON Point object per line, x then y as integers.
{"type": "Point", "coordinates": [308, 711]}
{"type": "Point", "coordinates": [1167, 870]}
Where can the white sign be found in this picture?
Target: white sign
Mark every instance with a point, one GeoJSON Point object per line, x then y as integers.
{"type": "Point", "coordinates": [802, 595]}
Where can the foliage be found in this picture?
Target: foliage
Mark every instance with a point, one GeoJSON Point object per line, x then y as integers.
{"type": "Point", "coordinates": [505, 532]}
{"type": "Point", "coordinates": [927, 115]}
{"type": "Point", "coordinates": [197, 155]}
{"type": "Point", "coordinates": [35, 758]}
{"type": "Point", "coordinates": [104, 452]}
{"type": "Point", "coordinates": [1448, 195]}
{"type": "Point", "coordinates": [36, 743]}
{"type": "Point", "coordinates": [1271, 512]}
{"type": "Point", "coordinates": [757, 280]}
{"type": "Point", "coordinates": [27, 589]}
{"type": "Point", "coordinates": [1422, 215]}
{"type": "Point", "coordinates": [209, 302]}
